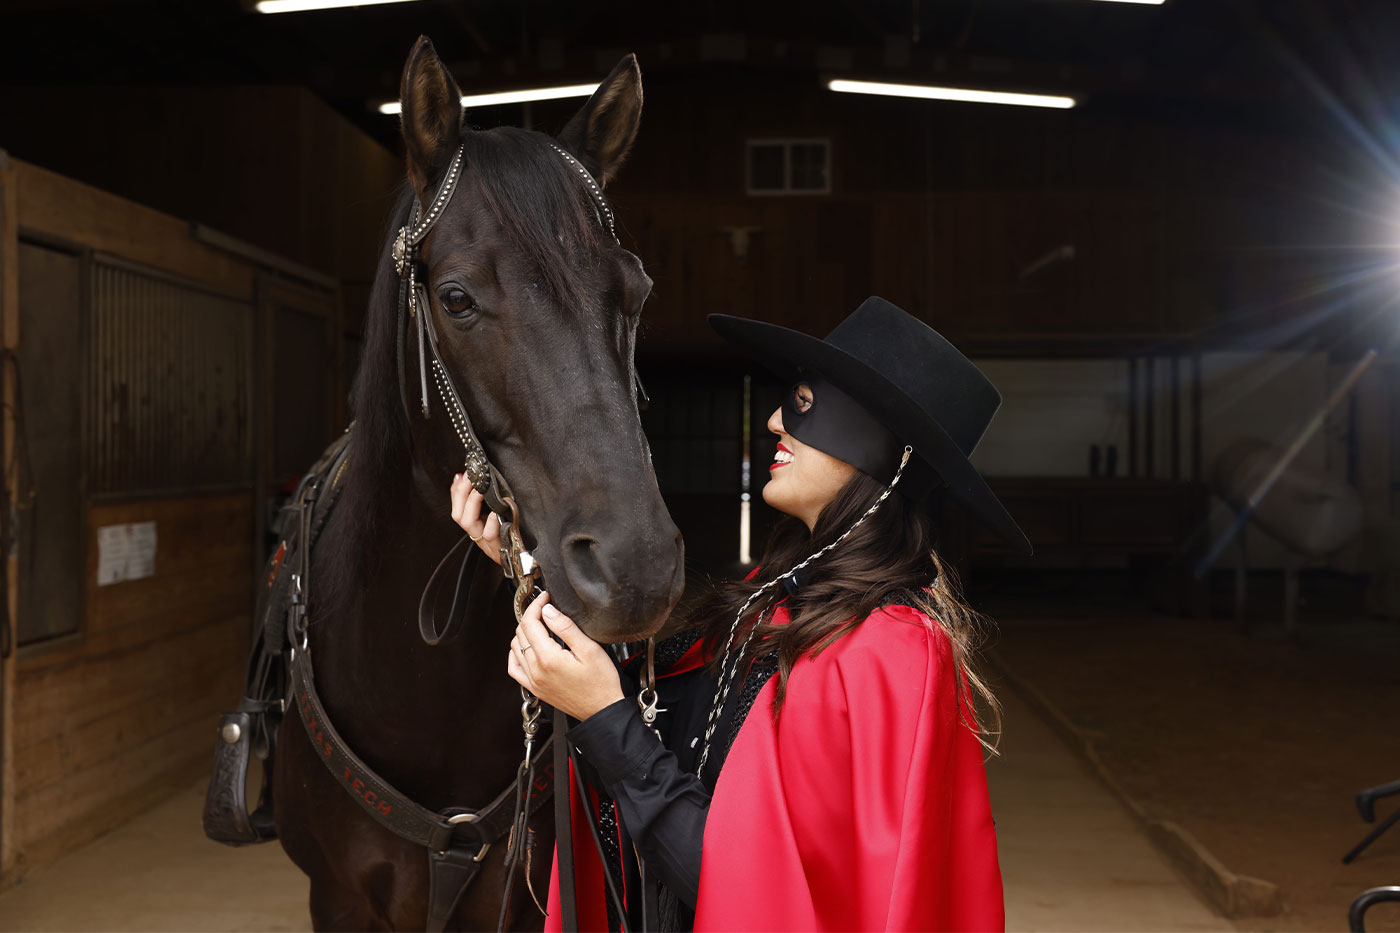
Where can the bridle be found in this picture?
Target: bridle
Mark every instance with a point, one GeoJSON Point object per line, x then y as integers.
{"type": "Point", "coordinates": [517, 562]}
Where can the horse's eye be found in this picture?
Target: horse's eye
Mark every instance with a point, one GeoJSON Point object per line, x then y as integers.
{"type": "Point", "coordinates": [455, 301]}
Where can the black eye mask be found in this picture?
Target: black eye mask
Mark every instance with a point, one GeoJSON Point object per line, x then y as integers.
{"type": "Point", "coordinates": [839, 426]}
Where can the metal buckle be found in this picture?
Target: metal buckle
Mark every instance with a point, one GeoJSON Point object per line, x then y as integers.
{"type": "Point", "coordinates": [471, 818]}
{"type": "Point", "coordinates": [297, 608]}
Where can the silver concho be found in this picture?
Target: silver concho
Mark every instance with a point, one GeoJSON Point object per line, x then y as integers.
{"type": "Point", "coordinates": [400, 251]}
{"type": "Point", "coordinates": [477, 468]}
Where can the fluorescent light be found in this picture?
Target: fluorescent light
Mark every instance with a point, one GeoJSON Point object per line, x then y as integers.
{"type": "Point", "coordinates": [510, 97]}
{"type": "Point", "coordinates": [951, 93]}
{"type": "Point", "coordinates": [298, 6]}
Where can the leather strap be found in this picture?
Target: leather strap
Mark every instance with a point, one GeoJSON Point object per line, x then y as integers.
{"type": "Point", "coordinates": [468, 581]}
{"type": "Point", "coordinates": [390, 808]}
{"type": "Point", "coordinates": [226, 816]}
{"type": "Point", "coordinates": [450, 873]}
{"type": "Point", "coordinates": [259, 713]}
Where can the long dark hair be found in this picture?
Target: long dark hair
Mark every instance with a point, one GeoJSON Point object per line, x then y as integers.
{"type": "Point", "coordinates": [891, 557]}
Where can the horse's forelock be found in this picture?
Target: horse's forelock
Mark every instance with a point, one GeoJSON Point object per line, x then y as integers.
{"type": "Point", "coordinates": [535, 198]}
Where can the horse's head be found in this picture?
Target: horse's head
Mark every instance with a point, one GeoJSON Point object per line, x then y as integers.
{"type": "Point", "coordinates": [536, 308]}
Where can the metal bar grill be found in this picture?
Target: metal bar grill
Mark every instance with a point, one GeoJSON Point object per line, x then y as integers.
{"type": "Point", "coordinates": [168, 384]}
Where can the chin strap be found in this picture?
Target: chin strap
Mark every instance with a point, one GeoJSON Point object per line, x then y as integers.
{"type": "Point", "coordinates": [727, 676]}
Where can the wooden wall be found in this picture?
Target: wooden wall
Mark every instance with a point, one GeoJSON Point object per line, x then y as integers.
{"type": "Point", "coordinates": [113, 720]}
{"type": "Point", "coordinates": [1177, 227]}
{"type": "Point", "coordinates": [9, 338]}
{"type": "Point", "coordinates": [954, 258]}
{"type": "Point", "coordinates": [274, 166]}
{"type": "Point", "coordinates": [101, 724]}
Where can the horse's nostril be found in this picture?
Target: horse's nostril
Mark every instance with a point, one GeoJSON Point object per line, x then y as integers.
{"type": "Point", "coordinates": [583, 568]}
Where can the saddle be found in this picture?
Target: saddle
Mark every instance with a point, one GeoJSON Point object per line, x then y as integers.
{"type": "Point", "coordinates": [251, 729]}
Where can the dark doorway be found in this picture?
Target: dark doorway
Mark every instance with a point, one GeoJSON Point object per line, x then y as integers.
{"type": "Point", "coordinates": [51, 508]}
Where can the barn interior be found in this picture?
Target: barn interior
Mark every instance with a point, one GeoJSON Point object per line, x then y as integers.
{"type": "Point", "coordinates": [1175, 250]}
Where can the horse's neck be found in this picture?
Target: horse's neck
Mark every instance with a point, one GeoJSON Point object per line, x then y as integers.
{"type": "Point", "coordinates": [400, 702]}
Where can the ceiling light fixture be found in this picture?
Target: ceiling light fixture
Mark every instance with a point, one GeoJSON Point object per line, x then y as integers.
{"type": "Point", "coordinates": [300, 6]}
{"type": "Point", "coordinates": [510, 97]}
{"type": "Point", "coordinates": [951, 93]}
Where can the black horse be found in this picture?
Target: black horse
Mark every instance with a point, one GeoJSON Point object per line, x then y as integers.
{"type": "Point", "coordinates": [536, 309]}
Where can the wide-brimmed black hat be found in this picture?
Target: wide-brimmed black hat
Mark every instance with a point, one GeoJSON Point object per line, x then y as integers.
{"type": "Point", "coordinates": [910, 379]}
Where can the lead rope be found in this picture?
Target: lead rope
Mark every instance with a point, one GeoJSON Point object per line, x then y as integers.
{"type": "Point", "coordinates": [727, 673]}
{"type": "Point", "coordinates": [519, 840]}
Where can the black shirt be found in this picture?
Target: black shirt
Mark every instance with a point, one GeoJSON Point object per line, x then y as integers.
{"type": "Point", "coordinates": [660, 799]}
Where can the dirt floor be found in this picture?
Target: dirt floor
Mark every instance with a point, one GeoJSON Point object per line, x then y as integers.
{"type": "Point", "coordinates": [1072, 860]}
{"type": "Point", "coordinates": [1255, 742]}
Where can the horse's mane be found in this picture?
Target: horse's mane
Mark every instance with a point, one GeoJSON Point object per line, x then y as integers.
{"type": "Point", "coordinates": [548, 217]}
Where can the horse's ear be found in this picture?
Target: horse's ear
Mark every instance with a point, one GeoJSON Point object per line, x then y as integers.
{"type": "Point", "coordinates": [601, 132]}
{"type": "Point", "coordinates": [432, 115]}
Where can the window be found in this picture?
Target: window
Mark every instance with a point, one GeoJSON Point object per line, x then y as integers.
{"type": "Point", "coordinates": [789, 166]}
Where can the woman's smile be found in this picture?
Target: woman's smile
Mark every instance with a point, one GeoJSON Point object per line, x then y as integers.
{"type": "Point", "coordinates": [782, 457]}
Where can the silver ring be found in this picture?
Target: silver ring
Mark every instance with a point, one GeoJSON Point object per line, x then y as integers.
{"type": "Point", "coordinates": [526, 648]}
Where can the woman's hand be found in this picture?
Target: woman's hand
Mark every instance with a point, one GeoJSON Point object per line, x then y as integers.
{"type": "Point", "coordinates": [466, 511]}
{"type": "Point", "coordinates": [580, 679]}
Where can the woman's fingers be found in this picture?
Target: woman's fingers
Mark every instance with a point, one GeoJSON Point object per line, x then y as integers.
{"type": "Point", "coordinates": [532, 631]}
{"type": "Point", "coordinates": [459, 490]}
{"type": "Point", "coordinates": [467, 506]}
{"type": "Point", "coordinates": [565, 627]}
{"type": "Point", "coordinates": [522, 651]}
{"type": "Point", "coordinates": [519, 672]}
{"type": "Point", "coordinates": [580, 683]}
{"type": "Point", "coordinates": [471, 512]}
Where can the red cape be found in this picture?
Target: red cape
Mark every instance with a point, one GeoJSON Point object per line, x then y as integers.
{"type": "Point", "coordinates": [863, 808]}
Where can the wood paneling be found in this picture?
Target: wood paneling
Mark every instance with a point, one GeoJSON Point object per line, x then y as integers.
{"type": "Point", "coordinates": [105, 721]}
{"type": "Point", "coordinates": [9, 336]}
{"type": "Point", "coordinates": [274, 166]}
{"type": "Point", "coordinates": [1143, 266]}
{"type": "Point", "coordinates": [49, 203]}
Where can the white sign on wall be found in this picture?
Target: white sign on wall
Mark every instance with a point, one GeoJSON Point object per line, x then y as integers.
{"type": "Point", "coordinates": [126, 552]}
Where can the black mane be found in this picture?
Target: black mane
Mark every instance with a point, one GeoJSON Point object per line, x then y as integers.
{"type": "Point", "coordinates": [548, 216]}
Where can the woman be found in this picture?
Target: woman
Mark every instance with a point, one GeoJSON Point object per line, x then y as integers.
{"type": "Point", "coordinates": [821, 766]}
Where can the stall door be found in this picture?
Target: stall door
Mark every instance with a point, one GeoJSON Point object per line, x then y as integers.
{"type": "Point", "coordinates": [50, 476]}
